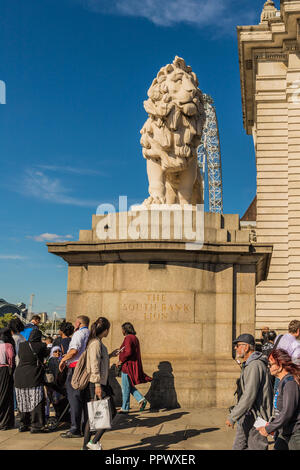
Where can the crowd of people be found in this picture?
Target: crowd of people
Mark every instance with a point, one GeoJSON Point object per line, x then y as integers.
{"type": "Point", "coordinates": [268, 393]}
{"type": "Point", "coordinates": [36, 371]}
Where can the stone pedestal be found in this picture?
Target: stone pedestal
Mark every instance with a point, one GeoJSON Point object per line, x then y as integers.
{"type": "Point", "coordinates": [186, 305]}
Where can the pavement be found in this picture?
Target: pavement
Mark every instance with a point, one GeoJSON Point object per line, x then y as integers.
{"type": "Point", "coordinates": [179, 429]}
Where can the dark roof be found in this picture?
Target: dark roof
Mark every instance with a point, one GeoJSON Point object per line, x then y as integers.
{"type": "Point", "coordinates": [6, 307]}
{"type": "Point", "coordinates": [3, 303]}
{"type": "Point", "coordinates": [250, 214]}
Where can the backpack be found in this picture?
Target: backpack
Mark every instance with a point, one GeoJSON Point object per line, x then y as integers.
{"type": "Point", "coordinates": [284, 381]}
{"type": "Point", "coordinates": [27, 330]}
{"type": "Point", "coordinates": [277, 342]}
{"type": "Point", "coordinates": [81, 376]}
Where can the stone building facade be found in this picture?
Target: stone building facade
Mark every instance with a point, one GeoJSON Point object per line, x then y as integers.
{"type": "Point", "coordinates": [270, 82]}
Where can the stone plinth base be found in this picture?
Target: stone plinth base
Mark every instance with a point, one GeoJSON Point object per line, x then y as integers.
{"type": "Point", "coordinates": [186, 305]}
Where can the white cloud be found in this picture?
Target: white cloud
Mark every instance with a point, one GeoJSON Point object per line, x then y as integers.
{"type": "Point", "coordinates": [201, 13]}
{"type": "Point", "coordinates": [169, 12]}
{"type": "Point", "coordinates": [12, 257]}
{"type": "Point", "coordinates": [50, 237]}
{"type": "Point", "coordinates": [37, 184]}
{"type": "Point", "coordinates": [72, 170]}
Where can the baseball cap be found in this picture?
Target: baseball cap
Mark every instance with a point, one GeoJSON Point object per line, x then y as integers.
{"type": "Point", "coordinates": [245, 338]}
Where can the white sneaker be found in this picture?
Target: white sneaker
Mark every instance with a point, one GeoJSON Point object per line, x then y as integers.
{"type": "Point", "coordinates": [93, 446]}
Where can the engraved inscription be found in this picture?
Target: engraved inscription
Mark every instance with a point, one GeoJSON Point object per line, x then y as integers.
{"type": "Point", "coordinates": [158, 306]}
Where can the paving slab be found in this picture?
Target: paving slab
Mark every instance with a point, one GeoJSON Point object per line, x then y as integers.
{"type": "Point", "coordinates": [179, 429]}
{"type": "Point", "coordinates": [151, 431]}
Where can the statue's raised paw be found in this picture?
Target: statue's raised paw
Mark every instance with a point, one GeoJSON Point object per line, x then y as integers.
{"type": "Point", "coordinates": [154, 200]}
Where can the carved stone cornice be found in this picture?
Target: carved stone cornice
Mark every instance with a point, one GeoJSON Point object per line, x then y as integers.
{"type": "Point", "coordinates": [271, 40]}
{"type": "Point", "coordinates": [147, 251]}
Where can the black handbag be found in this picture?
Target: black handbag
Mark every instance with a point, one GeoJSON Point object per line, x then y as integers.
{"type": "Point", "coordinates": [48, 377]}
{"type": "Point", "coordinates": [116, 370]}
{"type": "Point", "coordinates": [62, 377]}
{"type": "Point", "coordinates": [119, 370]}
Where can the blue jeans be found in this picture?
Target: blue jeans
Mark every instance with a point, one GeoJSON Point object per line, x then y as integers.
{"type": "Point", "coordinates": [15, 401]}
{"type": "Point", "coordinates": [75, 398]}
{"type": "Point", "coordinates": [127, 389]}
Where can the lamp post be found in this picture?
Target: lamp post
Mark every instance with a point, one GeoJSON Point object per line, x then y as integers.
{"type": "Point", "coordinates": [54, 323]}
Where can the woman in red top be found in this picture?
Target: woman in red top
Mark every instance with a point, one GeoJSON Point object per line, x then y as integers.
{"type": "Point", "coordinates": [132, 368]}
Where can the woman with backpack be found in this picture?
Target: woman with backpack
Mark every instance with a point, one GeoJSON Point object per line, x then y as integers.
{"type": "Point", "coordinates": [286, 402]}
{"type": "Point", "coordinates": [97, 365]}
{"type": "Point", "coordinates": [29, 383]}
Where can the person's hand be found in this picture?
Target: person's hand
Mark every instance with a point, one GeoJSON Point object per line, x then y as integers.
{"type": "Point", "coordinates": [62, 365]}
{"type": "Point", "coordinates": [115, 353]}
{"type": "Point", "coordinates": [229, 423]}
{"type": "Point", "coordinates": [98, 391]}
{"type": "Point", "coordinates": [262, 431]}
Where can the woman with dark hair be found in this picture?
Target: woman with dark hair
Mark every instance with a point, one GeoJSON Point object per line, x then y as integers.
{"type": "Point", "coordinates": [7, 365]}
{"type": "Point", "coordinates": [66, 330]}
{"type": "Point", "coordinates": [268, 341]}
{"type": "Point", "coordinates": [132, 372]}
{"type": "Point", "coordinates": [286, 402]}
{"type": "Point", "coordinates": [98, 367]}
{"type": "Point", "coordinates": [16, 327]}
{"type": "Point", "coordinates": [6, 336]}
{"type": "Point", "coordinates": [29, 380]}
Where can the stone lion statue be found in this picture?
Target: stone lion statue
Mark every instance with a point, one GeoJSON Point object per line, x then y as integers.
{"type": "Point", "coordinates": [172, 134]}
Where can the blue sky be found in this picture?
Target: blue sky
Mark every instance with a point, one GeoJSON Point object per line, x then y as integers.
{"type": "Point", "coordinates": [76, 74]}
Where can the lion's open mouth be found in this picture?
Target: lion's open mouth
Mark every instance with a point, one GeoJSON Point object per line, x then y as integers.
{"type": "Point", "coordinates": [189, 101]}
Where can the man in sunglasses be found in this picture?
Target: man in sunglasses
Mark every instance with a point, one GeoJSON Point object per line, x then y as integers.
{"type": "Point", "coordinates": [255, 397]}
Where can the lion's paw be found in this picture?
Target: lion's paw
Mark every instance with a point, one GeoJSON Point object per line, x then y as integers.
{"type": "Point", "coordinates": [154, 200]}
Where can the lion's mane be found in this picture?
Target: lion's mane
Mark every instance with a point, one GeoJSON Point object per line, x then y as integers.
{"type": "Point", "coordinates": [173, 131]}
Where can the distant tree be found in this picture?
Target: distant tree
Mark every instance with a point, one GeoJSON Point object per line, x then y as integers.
{"type": "Point", "coordinates": [5, 319]}
{"type": "Point", "coordinates": [45, 326]}
{"type": "Point", "coordinates": [48, 326]}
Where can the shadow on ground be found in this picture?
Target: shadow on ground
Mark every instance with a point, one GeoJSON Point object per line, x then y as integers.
{"type": "Point", "coordinates": [163, 441]}
{"type": "Point", "coordinates": [162, 392]}
{"type": "Point", "coordinates": [135, 420]}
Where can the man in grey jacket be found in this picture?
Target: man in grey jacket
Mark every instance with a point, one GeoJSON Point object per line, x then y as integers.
{"type": "Point", "coordinates": [256, 396]}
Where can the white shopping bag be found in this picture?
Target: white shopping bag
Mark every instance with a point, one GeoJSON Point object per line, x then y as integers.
{"type": "Point", "coordinates": [99, 414]}
{"type": "Point", "coordinates": [259, 423]}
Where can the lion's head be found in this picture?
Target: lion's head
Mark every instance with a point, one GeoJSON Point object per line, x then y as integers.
{"type": "Point", "coordinates": [176, 116]}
